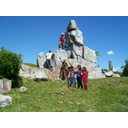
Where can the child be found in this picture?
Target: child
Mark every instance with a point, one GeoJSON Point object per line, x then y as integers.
{"type": "Point", "coordinates": [85, 77]}
{"type": "Point", "coordinates": [79, 80]}
{"type": "Point", "coordinates": [68, 75]}
{"type": "Point", "coordinates": [73, 77]}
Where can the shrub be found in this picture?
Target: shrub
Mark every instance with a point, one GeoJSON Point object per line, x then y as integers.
{"type": "Point", "coordinates": [117, 72]}
{"type": "Point", "coordinates": [125, 68]}
{"type": "Point", "coordinates": [10, 64]}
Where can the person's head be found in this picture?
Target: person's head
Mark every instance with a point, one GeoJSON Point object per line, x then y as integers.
{"type": "Point", "coordinates": [84, 69]}
{"type": "Point", "coordinates": [64, 61]}
{"type": "Point", "coordinates": [62, 34]}
{"type": "Point", "coordinates": [69, 68]}
{"type": "Point", "coordinates": [79, 67]}
{"type": "Point", "coordinates": [49, 51]}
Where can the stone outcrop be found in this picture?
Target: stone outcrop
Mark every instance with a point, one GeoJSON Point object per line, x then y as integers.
{"type": "Point", "coordinates": [22, 89]}
{"type": "Point", "coordinates": [77, 55]}
{"type": "Point", "coordinates": [116, 75]}
{"type": "Point", "coordinates": [109, 74]}
{"type": "Point", "coordinates": [5, 100]}
{"type": "Point", "coordinates": [5, 86]}
{"type": "Point", "coordinates": [41, 75]}
{"type": "Point", "coordinates": [41, 60]}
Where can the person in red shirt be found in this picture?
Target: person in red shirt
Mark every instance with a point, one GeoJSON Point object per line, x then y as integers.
{"type": "Point", "coordinates": [61, 39]}
{"type": "Point", "coordinates": [85, 77]}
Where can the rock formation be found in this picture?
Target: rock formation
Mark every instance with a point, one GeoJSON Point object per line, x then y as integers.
{"type": "Point", "coordinates": [5, 100]}
{"type": "Point", "coordinates": [5, 86]}
{"type": "Point", "coordinates": [78, 54]}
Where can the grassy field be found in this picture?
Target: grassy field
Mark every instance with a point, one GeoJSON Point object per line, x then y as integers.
{"type": "Point", "coordinates": [104, 95]}
{"type": "Point", "coordinates": [31, 65]}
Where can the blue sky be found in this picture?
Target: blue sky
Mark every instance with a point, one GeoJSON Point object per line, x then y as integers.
{"type": "Point", "coordinates": [30, 35]}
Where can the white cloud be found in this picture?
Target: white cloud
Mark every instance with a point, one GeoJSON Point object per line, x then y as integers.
{"type": "Point", "coordinates": [116, 69]}
{"type": "Point", "coordinates": [110, 52]}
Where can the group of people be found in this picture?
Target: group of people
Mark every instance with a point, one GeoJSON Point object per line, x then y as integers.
{"type": "Point", "coordinates": [82, 76]}
{"type": "Point", "coordinates": [67, 72]}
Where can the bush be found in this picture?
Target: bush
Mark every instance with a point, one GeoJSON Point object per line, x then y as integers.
{"type": "Point", "coordinates": [125, 68]}
{"type": "Point", "coordinates": [10, 64]}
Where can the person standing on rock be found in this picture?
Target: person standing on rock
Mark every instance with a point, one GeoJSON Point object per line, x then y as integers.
{"type": "Point", "coordinates": [63, 70]}
{"type": "Point", "coordinates": [61, 39]}
{"type": "Point", "coordinates": [48, 56]}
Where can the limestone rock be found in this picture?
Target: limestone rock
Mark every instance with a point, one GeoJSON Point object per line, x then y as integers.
{"type": "Point", "coordinates": [108, 74]}
{"type": "Point", "coordinates": [5, 85]}
{"type": "Point", "coordinates": [41, 60]}
{"type": "Point", "coordinates": [96, 73]}
{"type": "Point", "coordinates": [22, 89]}
{"type": "Point", "coordinates": [72, 25]}
{"type": "Point", "coordinates": [58, 79]}
{"type": "Point", "coordinates": [5, 100]}
{"type": "Point", "coordinates": [41, 75]}
{"type": "Point", "coordinates": [90, 55]}
{"type": "Point", "coordinates": [26, 71]}
{"type": "Point", "coordinates": [116, 75]}
{"type": "Point", "coordinates": [61, 53]}
{"type": "Point", "coordinates": [53, 60]}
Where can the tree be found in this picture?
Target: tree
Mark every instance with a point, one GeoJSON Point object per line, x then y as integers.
{"type": "Point", "coordinates": [10, 64]}
{"type": "Point", "coordinates": [125, 68]}
{"type": "Point", "coordinates": [97, 54]}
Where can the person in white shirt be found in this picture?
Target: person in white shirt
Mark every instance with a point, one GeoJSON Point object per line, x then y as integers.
{"type": "Point", "coordinates": [48, 56]}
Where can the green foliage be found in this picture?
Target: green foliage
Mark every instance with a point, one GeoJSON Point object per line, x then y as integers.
{"type": "Point", "coordinates": [31, 65]}
{"type": "Point", "coordinates": [110, 66]}
{"type": "Point", "coordinates": [117, 72]}
{"type": "Point", "coordinates": [125, 68]}
{"type": "Point", "coordinates": [10, 64]}
{"type": "Point", "coordinates": [97, 53]}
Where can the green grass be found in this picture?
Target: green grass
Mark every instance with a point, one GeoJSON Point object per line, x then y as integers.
{"type": "Point", "coordinates": [104, 95]}
{"type": "Point", "coordinates": [31, 65]}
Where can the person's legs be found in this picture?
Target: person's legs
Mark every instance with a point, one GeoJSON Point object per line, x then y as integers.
{"type": "Point", "coordinates": [48, 63]}
{"type": "Point", "coordinates": [85, 84]}
{"type": "Point", "coordinates": [78, 82]}
{"type": "Point", "coordinates": [68, 83]}
{"type": "Point", "coordinates": [63, 77]}
{"type": "Point", "coordinates": [64, 74]}
{"type": "Point", "coordinates": [61, 74]}
{"type": "Point", "coordinates": [81, 84]}
{"type": "Point", "coordinates": [63, 44]}
{"type": "Point", "coordinates": [60, 44]}
{"type": "Point", "coordinates": [73, 81]}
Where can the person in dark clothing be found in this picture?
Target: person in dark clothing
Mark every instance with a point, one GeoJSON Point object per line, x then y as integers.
{"type": "Point", "coordinates": [63, 70]}
{"type": "Point", "coordinates": [79, 77]}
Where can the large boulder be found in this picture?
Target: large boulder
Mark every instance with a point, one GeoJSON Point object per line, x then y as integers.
{"type": "Point", "coordinates": [41, 60]}
{"type": "Point", "coordinates": [5, 100]}
{"type": "Point", "coordinates": [116, 75]}
{"type": "Point", "coordinates": [27, 71]}
{"type": "Point", "coordinates": [5, 85]}
{"type": "Point", "coordinates": [41, 75]}
{"type": "Point", "coordinates": [96, 73]}
{"type": "Point", "coordinates": [109, 74]}
{"type": "Point", "coordinates": [22, 89]}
